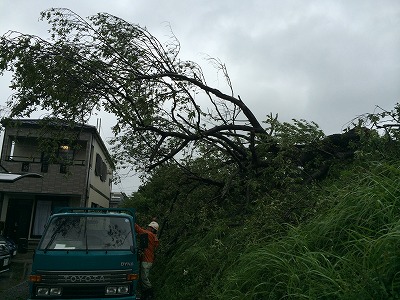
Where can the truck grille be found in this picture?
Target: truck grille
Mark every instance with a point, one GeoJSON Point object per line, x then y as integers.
{"type": "Point", "coordinates": [83, 284]}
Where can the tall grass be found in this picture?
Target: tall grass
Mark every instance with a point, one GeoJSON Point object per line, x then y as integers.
{"type": "Point", "coordinates": [350, 251]}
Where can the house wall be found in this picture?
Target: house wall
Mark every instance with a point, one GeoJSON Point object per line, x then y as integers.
{"type": "Point", "coordinates": [29, 201]}
{"type": "Point", "coordinates": [53, 182]}
{"type": "Point", "coordinates": [100, 187]}
{"type": "Point", "coordinates": [25, 150]}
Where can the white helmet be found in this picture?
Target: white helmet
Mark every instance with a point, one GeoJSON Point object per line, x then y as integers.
{"type": "Point", "coordinates": [154, 225]}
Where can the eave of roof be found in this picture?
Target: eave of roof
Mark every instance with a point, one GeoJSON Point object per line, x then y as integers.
{"type": "Point", "coordinates": [12, 177]}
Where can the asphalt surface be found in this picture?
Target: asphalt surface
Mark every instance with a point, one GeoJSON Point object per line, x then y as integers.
{"type": "Point", "coordinates": [13, 283]}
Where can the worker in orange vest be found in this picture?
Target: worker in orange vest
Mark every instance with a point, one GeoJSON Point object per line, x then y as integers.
{"type": "Point", "coordinates": [147, 257]}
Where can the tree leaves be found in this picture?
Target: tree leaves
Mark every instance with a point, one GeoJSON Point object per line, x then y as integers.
{"type": "Point", "coordinates": [164, 110]}
{"type": "Point", "coordinates": [162, 104]}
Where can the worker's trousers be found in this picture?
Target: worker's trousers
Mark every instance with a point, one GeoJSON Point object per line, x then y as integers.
{"type": "Point", "coordinates": [144, 274]}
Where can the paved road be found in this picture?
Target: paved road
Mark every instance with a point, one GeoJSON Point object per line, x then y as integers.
{"type": "Point", "coordinates": [13, 283]}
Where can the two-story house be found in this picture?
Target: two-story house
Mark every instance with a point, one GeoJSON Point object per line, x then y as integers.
{"type": "Point", "coordinates": [76, 172]}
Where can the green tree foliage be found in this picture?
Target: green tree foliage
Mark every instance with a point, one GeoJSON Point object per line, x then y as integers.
{"type": "Point", "coordinates": [346, 249]}
{"type": "Point", "coordinates": [331, 240]}
{"type": "Point", "coordinates": [180, 204]}
{"type": "Point", "coordinates": [241, 214]}
{"type": "Point", "coordinates": [164, 109]}
{"type": "Point", "coordinates": [163, 105]}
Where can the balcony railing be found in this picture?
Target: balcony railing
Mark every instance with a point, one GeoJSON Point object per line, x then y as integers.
{"type": "Point", "coordinates": [27, 159]}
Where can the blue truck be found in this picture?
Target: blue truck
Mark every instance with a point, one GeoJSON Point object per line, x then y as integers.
{"type": "Point", "coordinates": [87, 253]}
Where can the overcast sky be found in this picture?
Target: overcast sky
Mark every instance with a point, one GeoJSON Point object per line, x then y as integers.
{"type": "Point", "coordinates": [326, 61]}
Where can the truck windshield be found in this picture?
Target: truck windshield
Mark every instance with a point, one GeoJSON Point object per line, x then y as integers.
{"type": "Point", "coordinates": [88, 233]}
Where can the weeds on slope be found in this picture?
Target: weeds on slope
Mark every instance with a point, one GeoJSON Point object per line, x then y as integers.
{"type": "Point", "coordinates": [351, 252]}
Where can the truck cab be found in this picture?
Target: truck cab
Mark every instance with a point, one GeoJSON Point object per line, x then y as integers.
{"type": "Point", "coordinates": [86, 253]}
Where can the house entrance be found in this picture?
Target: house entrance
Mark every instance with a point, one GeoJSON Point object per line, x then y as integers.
{"type": "Point", "coordinates": [18, 218]}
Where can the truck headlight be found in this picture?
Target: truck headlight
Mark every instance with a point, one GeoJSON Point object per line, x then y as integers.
{"type": "Point", "coordinates": [111, 290]}
{"type": "Point", "coordinates": [48, 291]}
{"type": "Point", "coordinates": [41, 291]}
{"type": "Point", "coordinates": [123, 289]}
{"type": "Point", "coordinates": [114, 290]}
{"type": "Point", "coordinates": [55, 291]}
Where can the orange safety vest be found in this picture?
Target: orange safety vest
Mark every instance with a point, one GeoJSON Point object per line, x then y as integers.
{"type": "Point", "coordinates": [148, 255]}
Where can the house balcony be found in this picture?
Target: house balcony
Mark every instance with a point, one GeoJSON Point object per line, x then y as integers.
{"type": "Point", "coordinates": [27, 164]}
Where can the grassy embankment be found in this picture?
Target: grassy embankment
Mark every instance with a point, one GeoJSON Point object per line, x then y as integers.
{"type": "Point", "coordinates": [349, 250]}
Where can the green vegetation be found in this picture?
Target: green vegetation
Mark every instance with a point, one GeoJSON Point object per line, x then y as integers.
{"type": "Point", "coordinates": [246, 212]}
{"type": "Point", "coordinates": [344, 245]}
{"type": "Point", "coordinates": [349, 252]}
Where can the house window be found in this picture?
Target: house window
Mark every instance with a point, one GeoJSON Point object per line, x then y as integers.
{"type": "Point", "coordinates": [65, 153]}
{"type": "Point", "coordinates": [100, 168]}
{"type": "Point", "coordinates": [44, 167]}
{"type": "Point", "coordinates": [44, 208]}
{"type": "Point", "coordinates": [45, 163]}
{"type": "Point", "coordinates": [25, 166]}
{"type": "Point", "coordinates": [43, 212]}
{"type": "Point", "coordinates": [63, 169]}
